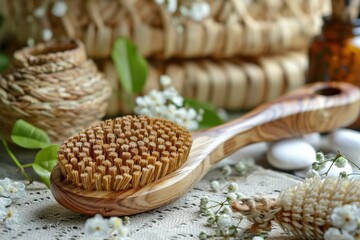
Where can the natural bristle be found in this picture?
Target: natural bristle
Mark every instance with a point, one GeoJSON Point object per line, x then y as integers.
{"type": "Point", "coordinates": [123, 153]}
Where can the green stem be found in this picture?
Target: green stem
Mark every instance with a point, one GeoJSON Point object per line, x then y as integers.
{"type": "Point", "coordinates": [27, 165]}
{"type": "Point", "coordinates": [17, 163]}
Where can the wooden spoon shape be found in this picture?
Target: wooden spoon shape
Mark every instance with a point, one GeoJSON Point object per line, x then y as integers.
{"type": "Point", "coordinates": [318, 107]}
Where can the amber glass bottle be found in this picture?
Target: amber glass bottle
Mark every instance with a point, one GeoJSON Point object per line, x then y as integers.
{"type": "Point", "coordinates": [334, 55]}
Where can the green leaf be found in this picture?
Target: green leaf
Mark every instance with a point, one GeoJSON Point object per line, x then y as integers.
{"type": "Point", "coordinates": [28, 136]}
{"type": "Point", "coordinates": [4, 62]}
{"type": "Point", "coordinates": [130, 66]}
{"type": "Point", "coordinates": [210, 116]}
{"type": "Point", "coordinates": [45, 161]}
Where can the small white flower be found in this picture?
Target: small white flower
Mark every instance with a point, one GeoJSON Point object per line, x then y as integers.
{"type": "Point", "coordinates": [172, 6]}
{"type": "Point", "coordinates": [224, 221]}
{"type": "Point", "coordinates": [345, 217]}
{"type": "Point", "coordinates": [203, 202]}
{"type": "Point", "coordinates": [312, 174]}
{"type": "Point", "coordinates": [226, 170]}
{"type": "Point", "coordinates": [340, 162]}
{"type": "Point", "coordinates": [226, 210]}
{"type": "Point", "coordinates": [11, 218]}
{"type": "Point", "coordinates": [203, 236]}
{"type": "Point", "coordinates": [320, 157]}
{"type": "Point", "coordinates": [336, 234]}
{"type": "Point", "coordinates": [232, 187]}
{"type": "Point", "coordinates": [215, 186]}
{"type": "Point", "coordinates": [258, 238]}
{"type": "Point", "coordinates": [30, 42]}
{"type": "Point", "coordinates": [118, 227]}
{"type": "Point", "coordinates": [59, 9]}
{"type": "Point", "coordinates": [199, 10]}
{"type": "Point", "coordinates": [39, 12]}
{"type": "Point", "coordinates": [5, 201]}
{"type": "Point", "coordinates": [165, 80]}
{"type": "Point", "coordinates": [97, 227]}
{"type": "Point", "coordinates": [231, 197]}
{"type": "Point", "coordinates": [10, 189]}
{"type": "Point", "coordinates": [47, 34]}
{"type": "Point", "coordinates": [159, 2]}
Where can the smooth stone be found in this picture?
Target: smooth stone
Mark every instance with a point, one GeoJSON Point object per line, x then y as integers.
{"type": "Point", "coordinates": [347, 142]}
{"type": "Point", "coordinates": [291, 154]}
{"type": "Point", "coordinates": [314, 139]}
{"type": "Point", "coordinates": [334, 171]}
{"type": "Point", "coordinates": [255, 151]}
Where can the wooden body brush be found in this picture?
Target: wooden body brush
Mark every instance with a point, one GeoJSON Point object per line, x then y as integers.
{"type": "Point", "coordinates": [134, 164]}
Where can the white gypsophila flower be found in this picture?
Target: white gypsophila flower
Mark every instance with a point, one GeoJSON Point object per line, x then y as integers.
{"type": "Point", "coordinates": [232, 187]}
{"type": "Point", "coordinates": [199, 10]}
{"type": "Point", "coordinates": [231, 197]}
{"type": "Point", "coordinates": [118, 227]}
{"type": "Point", "coordinates": [165, 80]}
{"type": "Point", "coordinates": [172, 5]}
{"type": "Point", "coordinates": [346, 217]}
{"type": "Point", "coordinates": [11, 218]}
{"type": "Point", "coordinates": [30, 42]}
{"type": "Point", "coordinates": [4, 201]}
{"type": "Point", "coordinates": [226, 170]}
{"type": "Point", "coordinates": [312, 173]}
{"type": "Point", "coordinates": [159, 2]}
{"type": "Point", "coordinates": [258, 238]}
{"type": "Point", "coordinates": [203, 236]}
{"type": "Point", "coordinates": [340, 162]}
{"type": "Point", "coordinates": [97, 227]}
{"type": "Point", "coordinates": [320, 157]}
{"type": "Point", "coordinates": [227, 210]}
{"type": "Point", "coordinates": [224, 221]}
{"type": "Point", "coordinates": [47, 34]}
{"type": "Point", "coordinates": [336, 234]}
{"type": "Point", "coordinates": [39, 12]}
{"type": "Point", "coordinates": [59, 9]}
{"type": "Point", "coordinates": [215, 186]}
{"type": "Point", "coordinates": [12, 189]}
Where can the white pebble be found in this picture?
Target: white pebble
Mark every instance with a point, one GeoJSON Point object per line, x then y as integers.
{"type": "Point", "coordinates": [254, 151]}
{"type": "Point", "coordinates": [291, 154]}
{"type": "Point", "coordinates": [314, 139]}
{"type": "Point", "coordinates": [347, 142]}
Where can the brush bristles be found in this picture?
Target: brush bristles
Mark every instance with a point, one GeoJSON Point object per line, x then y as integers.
{"type": "Point", "coordinates": [123, 153]}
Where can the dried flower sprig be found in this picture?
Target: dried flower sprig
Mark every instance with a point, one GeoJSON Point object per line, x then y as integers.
{"type": "Point", "coordinates": [113, 228]}
{"type": "Point", "coordinates": [219, 213]}
{"type": "Point", "coordinates": [338, 160]}
{"type": "Point", "coordinates": [10, 192]}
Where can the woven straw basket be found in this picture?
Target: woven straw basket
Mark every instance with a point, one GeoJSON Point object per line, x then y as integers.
{"type": "Point", "coordinates": [234, 27]}
{"type": "Point", "coordinates": [232, 84]}
{"type": "Point", "coordinates": [55, 87]}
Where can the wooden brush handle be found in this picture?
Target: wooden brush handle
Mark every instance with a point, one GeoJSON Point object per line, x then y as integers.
{"type": "Point", "coordinates": [319, 107]}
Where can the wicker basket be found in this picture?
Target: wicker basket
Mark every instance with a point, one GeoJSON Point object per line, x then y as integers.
{"type": "Point", "coordinates": [55, 87]}
{"type": "Point", "coordinates": [232, 84]}
{"type": "Point", "coordinates": [235, 27]}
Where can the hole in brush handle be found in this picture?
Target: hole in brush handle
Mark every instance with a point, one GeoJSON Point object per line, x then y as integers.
{"type": "Point", "coordinates": [328, 91]}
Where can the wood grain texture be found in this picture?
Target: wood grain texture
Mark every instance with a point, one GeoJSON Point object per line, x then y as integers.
{"type": "Point", "coordinates": [319, 107]}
